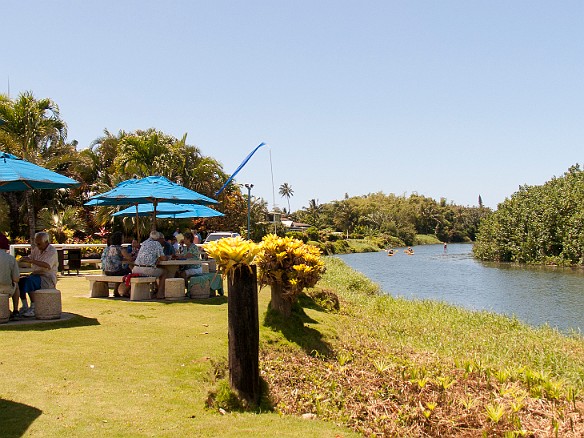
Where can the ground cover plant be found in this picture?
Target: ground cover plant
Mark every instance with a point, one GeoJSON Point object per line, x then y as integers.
{"type": "Point", "coordinates": [348, 362]}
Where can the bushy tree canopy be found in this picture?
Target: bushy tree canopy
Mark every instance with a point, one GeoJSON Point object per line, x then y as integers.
{"type": "Point", "coordinates": [538, 224]}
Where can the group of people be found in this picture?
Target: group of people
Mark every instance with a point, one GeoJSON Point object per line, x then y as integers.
{"type": "Point", "coordinates": [117, 259]}
{"type": "Point", "coordinates": [44, 262]}
{"type": "Point", "coordinates": [144, 259]}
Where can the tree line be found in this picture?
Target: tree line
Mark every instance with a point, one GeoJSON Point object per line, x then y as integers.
{"type": "Point", "coordinates": [34, 130]}
{"type": "Point", "coordinates": [538, 224]}
{"type": "Point", "coordinates": [395, 219]}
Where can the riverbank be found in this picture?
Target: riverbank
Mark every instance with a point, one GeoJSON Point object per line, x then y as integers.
{"type": "Point", "coordinates": [350, 246]}
{"type": "Point", "coordinates": [376, 365]}
{"type": "Point", "coordinates": [419, 368]}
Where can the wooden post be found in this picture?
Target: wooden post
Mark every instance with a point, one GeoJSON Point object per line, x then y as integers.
{"type": "Point", "coordinates": [244, 334]}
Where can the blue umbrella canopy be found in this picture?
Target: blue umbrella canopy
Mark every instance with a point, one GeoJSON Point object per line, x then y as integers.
{"type": "Point", "coordinates": [168, 210]}
{"type": "Point", "coordinates": [149, 190]}
{"type": "Point", "coordinates": [18, 175]}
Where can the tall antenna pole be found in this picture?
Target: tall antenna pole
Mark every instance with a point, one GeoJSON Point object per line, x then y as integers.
{"type": "Point", "coordinates": [273, 190]}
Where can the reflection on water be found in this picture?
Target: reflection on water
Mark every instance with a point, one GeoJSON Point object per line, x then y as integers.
{"type": "Point", "coordinates": [535, 295]}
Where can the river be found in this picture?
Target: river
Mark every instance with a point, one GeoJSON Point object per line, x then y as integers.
{"type": "Point", "coordinates": [535, 295]}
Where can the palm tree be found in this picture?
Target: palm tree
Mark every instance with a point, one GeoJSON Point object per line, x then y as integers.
{"type": "Point", "coordinates": [141, 152]}
{"type": "Point", "coordinates": [33, 129]}
{"type": "Point", "coordinates": [286, 192]}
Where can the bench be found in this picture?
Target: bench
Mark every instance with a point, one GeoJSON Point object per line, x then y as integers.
{"type": "Point", "coordinates": [140, 287]}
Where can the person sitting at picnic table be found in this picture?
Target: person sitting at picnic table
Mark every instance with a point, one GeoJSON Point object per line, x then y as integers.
{"type": "Point", "coordinates": [167, 246]}
{"type": "Point", "coordinates": [151, 252]}
{"type": "Point", "coordinates": [191, 252]}
{"type": "Point", "coordinates": [9, 275]}
{"type": "Point", "coordinates": [45, 263]}
{"type": "Point", "coordinates": [115, 258]}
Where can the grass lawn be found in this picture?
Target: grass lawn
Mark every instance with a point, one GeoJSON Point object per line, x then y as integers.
{"type": "Point", "coordinates": [379, 366]}
{"type": "Point", "coordinates": [121, 368]}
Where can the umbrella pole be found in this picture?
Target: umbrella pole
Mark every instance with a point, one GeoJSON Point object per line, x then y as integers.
{"type": "Point", "coordinates": [154, 216]}
{"type": "Point", "coordinates": [137, 223]}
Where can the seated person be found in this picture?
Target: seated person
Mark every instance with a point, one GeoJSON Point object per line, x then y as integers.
{"type": "Point", "coordinates": [115, 258]}
{"type": "Point", "coordinates": [167, 246]}
{"type": "Point", "coordinates": [150, 254]}
{"type": "Point", "coordinates": [134, 248]}
{"type": "Point", "coordinates": [191, 252]}
{"type": "Point", "coordinates": [9, 275]}
{"type": "Point", "coordinates": [44, 262]}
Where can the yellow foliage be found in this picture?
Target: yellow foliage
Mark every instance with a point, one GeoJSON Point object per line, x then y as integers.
{"type": "Point", "coordinates": [290, 263]}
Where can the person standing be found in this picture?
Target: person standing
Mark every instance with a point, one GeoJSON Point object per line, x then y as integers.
{"type": "Point", "coordinates": [9, 275]}
{"type": "Point", "coordinates": [44, 262]}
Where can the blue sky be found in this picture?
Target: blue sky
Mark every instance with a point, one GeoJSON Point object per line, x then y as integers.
{"type": "Point", "coordinates": [444, 98]}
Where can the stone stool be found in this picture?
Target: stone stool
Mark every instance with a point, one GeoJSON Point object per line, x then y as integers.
{"type": "Point", "coordinates": [174, 289]}
{"type": "Point", "coordinates": [4, 309]}
{"type": "Point", "coordinates": [199, 287]}
{"type": "Point", "coordinates": [47, 304]}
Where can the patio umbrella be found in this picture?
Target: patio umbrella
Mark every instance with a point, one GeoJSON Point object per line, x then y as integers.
{"type": "Point", "coordinates": [149, 190]}
{"type": "Point", "coordinates": [168, 210]}
{"type": "Point", "coordinates": [17, 175]}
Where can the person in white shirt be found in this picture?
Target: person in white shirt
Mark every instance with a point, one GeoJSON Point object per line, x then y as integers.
{"type": "Point", "coordinates": [9, 275]}
{"type": "Point", "coordinates": [45, 263]}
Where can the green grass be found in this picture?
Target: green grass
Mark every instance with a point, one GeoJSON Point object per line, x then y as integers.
{"type": "Point", "coordinates": [123, 368]}
{"type": "Point", "coordinates": [426, 239]}
{"type": "Point", "coordinates": [378, 365]}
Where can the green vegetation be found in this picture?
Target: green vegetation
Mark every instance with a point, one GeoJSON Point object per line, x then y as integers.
{"type": "Point", "coordinates": [393, 220]}
{"type": "Point", "coordinates": [35, 131]}
{"type": "Point", "coordinates": [128, 369]}
{"type": "Point", "coordinates": [351, 359]}
{"type": "Point", "coordinates": [538, 224]}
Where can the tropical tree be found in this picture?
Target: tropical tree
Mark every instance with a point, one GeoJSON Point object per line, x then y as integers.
{"type": "Point", "coordinates": [538, 224]}
{"type": "Point", "coordinates": [34, 130]}
{"type": "Point", "coordinates": [286, 192]}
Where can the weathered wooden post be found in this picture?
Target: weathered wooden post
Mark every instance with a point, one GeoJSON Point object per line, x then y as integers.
{"type": "Point", "coordinates": [244, 334]}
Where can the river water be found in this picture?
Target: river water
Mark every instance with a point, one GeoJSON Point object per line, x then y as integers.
{"type": "Point", "coordinates": [535, 295]}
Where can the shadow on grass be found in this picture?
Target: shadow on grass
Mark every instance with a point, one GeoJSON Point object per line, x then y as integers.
{"type": "Point", "coordinates": [39, 326]}
{"type": "Point", "coordinates": [16, 418]}
{"type": "Point", "coordinates": [215, 301]}
{"type": "Point", "coordinates": [294, 330]}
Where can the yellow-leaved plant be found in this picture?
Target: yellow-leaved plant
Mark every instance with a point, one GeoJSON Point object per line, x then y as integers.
{"type": "Point", "coordinates": [232, 253]}
{"type": "Point", "coordinates": [288, 266]}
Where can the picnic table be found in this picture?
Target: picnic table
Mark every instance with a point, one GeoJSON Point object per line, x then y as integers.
{"type": "Point", "coordinates": [171, 266]}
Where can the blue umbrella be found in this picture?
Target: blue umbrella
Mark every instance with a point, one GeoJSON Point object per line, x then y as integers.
{"type": "Point", "coordinates": [149, 190]}
{"type": "Point", "coordinates": [17, 175]}
{"type": "Point", "coordinates": [168, 210]}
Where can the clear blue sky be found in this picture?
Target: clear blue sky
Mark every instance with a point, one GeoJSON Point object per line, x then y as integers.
{"type": "Point", "coordinates": [444, 98]}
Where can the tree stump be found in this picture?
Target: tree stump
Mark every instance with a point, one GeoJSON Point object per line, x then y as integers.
{"type": "Point", "coordinates": [244, 334]}
{"type": "Point", "coordinates": [279, 303]}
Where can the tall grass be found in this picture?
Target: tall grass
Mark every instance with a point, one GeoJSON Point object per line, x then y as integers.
{"type": "Point", "coordinates": [411, 368]}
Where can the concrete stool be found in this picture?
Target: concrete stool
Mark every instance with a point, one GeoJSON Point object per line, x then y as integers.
{"type": "Point", "coordinates": [47, 304]}
{"type": "Point", "coordinates": [4, 309]}
{"type": "Point", "coordinates": [199, 288]}
{"type": "Point", "coordinates": [174, 289]}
